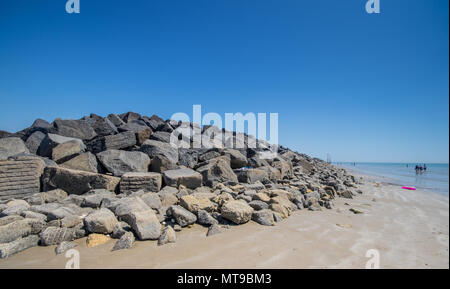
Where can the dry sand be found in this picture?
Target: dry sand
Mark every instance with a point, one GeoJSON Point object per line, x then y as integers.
{"type": "Point", "coordinates": [410, 229]}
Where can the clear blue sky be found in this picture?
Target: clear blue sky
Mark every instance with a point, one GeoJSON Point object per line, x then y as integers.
{"type": "Point", "coordinates": [360, 87]}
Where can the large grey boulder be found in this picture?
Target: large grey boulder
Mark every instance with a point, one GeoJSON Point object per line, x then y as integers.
{"type": "Point", "coordinates": [52, 140]}
{"type": "Point", "coordinates": [118, 141]}
{"type": "Point", "coordinates": [76, 182]}
{"type": "Point", "coordinates": [94, 198]}
{"type": "Point", "coordinates": [104, 127]}
{"type": "Point", "coordinates": [125, 206]}
{"type": "Point", "coordinates": [161, 136]}
{"type": "Point", "coordinates": [263, 217]}
{"type": "Point", "coordinates": [15, 230]}
{"type": "Point", "coordinates": [185, 176]}
{"type": "Point", "coordinates": [163, 155]}
{"type": "Point", "coordinates": [65, 151]}
{"type": "Point", "coordinates": [238, 212]}
{"type": "Point", "coordinates": [34, 141]}
{"type": "Point", "coordinates": [251, 176]}
{"type": "Point", "coordinates": [100, 221]}
{"type": "Point", "coordinates": [131, 182]}
{"type": "Point", "coordinates": [204, 218]}
{"type": "Point", "coordinates": [168, 236]}
{"type": "Point", "coordinates": [18, 245]}
{"type": "Point", "coordinates": [11, 146]}
{"type": "Point", "coordinates": [217, 170]}
{"type": "Point", "coordinates": [119, 162]}
{"type": "Point", "coordinates": [84, 162]}
{"type": "Point", "coordinates": [126, 241]}
{"type": "Point", "coordinates": [115, 119]}
{"type": "Point", "coordinates": [74, 128]}
{"type": "Point", "coordinates": [152, 200]}
{"type": "Point", "coordinates": [145, 224]}
{"type": "Point", "coordinates": [182, 216]}
{"type": "Point", "coordinates": [237, 159]}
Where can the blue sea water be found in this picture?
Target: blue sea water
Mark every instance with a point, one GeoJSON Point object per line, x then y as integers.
{"type": "Point", "coordinates": [435, 178]}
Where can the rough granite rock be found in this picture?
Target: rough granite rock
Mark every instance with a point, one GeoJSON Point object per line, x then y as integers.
{"type": "Point", "coordinates": [119, 162]}
{"type": "Point", "coordinates": [168, 236]}
{"type": "Point", "coordinates": [75, 181]}
{"type": "Point", "coordinates": [52, 140]}
{"type": "Point", "coordinates": [126, 241]}
{"type": "Point", "coordinates": [145, 224]}
{"type": "Point", "coordinates": [152, 200]}
{"type": "Point", "coordinates": [18, 245]}
{"type": "Point", "coordinates": [251, 176]}
{"type": "Point", "coordinates": [104, 127]}
{"type": "Point", "coordinates": [149, 181]}
{"type": "Point", "coordinates": [84, 162]}
{"type": "Point", "coordinates": [194, 204]}
{"type": "Point", "coordinates": [163, 155]}
{"type": "Point", "coordinates": [217, 170]}
{"type": "Point", "coordinates": [258, 205]}
{"type": "Point", "coordinates": [263, 217]}
{"type": "Point", "coordinates": [182, 216]}
{"type": "Point", "coordinates": [11, 146]}
{"type": "Point", "coordinates": [100, 221]}
{"type": "Point", "coordinates": [213, 230]}
{"type": "Point", "coordinates": [118, 141]}
{"type": "Point", "coordinates": [34, 141]}
{"type": "Point", "coordinates": [204, 218]}
{"type": "Point", "coordinates": [238, 212]}
{"type": "Point", "coordinates": [66, 151]}
{"type": "Point", "coordinates": [74, 128]}
{"type": "Point", "coordinates": [185, 177]}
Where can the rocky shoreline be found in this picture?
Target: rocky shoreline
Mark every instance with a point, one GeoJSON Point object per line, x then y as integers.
{"type": "Point", "coordinates": [119, 177]}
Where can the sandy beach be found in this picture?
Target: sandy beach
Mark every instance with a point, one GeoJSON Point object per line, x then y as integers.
{"type": "Point", "coordinates": [410, 229]}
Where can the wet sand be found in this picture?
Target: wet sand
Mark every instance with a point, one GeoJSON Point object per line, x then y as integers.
{"type": "Point", "coordinates": [410, 229]}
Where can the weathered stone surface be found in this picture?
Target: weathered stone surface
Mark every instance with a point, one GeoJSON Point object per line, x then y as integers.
{"type": "Point", "coordinates": [182, 216]}
{"type": "Point", "coordinates": [84, 162]}
{"type": "Point", "coordinates": [168, 236]}
{"type": "Point", "coordinates": [119, 162]}
{"type": "Point", "coordinates": [104, 127]}
{"type": "Point", "coordinates": [185, 176]}
{"type": "Point", "coordinates": [11, 146]}
{"type": "Point", "coordinates": [64, 246]}
{"type": "Point", "coordinates": [120, 229]}
{"type": "Point", "coordinates": [238, 212]}
{"type": "Point", "coordinates": [263, 217]}
{"type": "Point", "coordinates": [150, 182]}
{"type": "Point", "coordinates": [193, 204]}
{"type": "Point", "coordinates": [74, 128]}
{"type": "Point", "coordinates": [65, 151]}
{"type": "Point", "coordinates": [53, 196]}
{"type": "Point", "coordinates": [161, 136]}
{"type": "Point", "coordinates": [94, 240]}
{"type": "Point", "coordinates": [125, 206]}
{"type": "Point", "coordinates": [163, 155]}
{"type": "Point", "coordinates": [252, 176]}
{"type": "Point", "coordinates": [20, 178]}
{"type": "Point", "coordinates": [237, 159]}
{"type": "Point", "coordinates": [258, 205]}
{"type": "Point", "coordinates": [55, 235]}
{"type": "Point", "coordinates": [118, 141]}
{"type": "Point", "coordinates": [34, 141]}
{"type": "Point", "coordinates": [126, 241]}
{"type": "Point", "coordinates": [52, 140]}
{"type": "Point", "coordinates": [152, 200]}
{"type": "Point", "coordinates": [145, 224]}
{"type": "Point", "coordinates": [204, 218]}
{"type": "Point", "coordinates": [33, 215]}
{"type": "Point", "coordinates": [93, 199]}
{"type": "Point", "coordinates": [213, 230]}
{"type": "Point", "coordinates": [168, 196]}
{"type": "Point", "coordinates": [188, 157]}
{"type": "Point", "coordinates": [18, 245]}
{"type": "Point", "coordinates": [9, 219]}
{"type": "Point", "coordinates": [15, 230]}
{"type": "Point", "coordinates": [115, 119]}
{"type": "Point", "coordinates": [217, 170]}
{"type": "Point", "coordinates": [100, 221]}
{"type": "Point", "coordinates": [75, 181]}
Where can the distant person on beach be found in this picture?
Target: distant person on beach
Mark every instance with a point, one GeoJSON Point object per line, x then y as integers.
{"type": "Point", "coordinates": [417, 169]}
{"type": "Point", "coordinates": [424, 167]}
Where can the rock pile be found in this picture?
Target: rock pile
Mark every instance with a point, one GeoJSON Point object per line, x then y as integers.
{"type": "Point", "coordinates": [121, 177]}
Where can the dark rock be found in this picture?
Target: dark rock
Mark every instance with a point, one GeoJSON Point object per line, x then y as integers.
{"type": "Point", "coordinates": [163, 155]}
{"type": "Point", "coordinates": [126, 241]}
{"type": "Point", "coordinates": [131, 182]}
{"type": "Point", "coordinates": [182, 216]}
{"type": "Point", "coordinates": [185, 176]}
{"type": "Point", "coordinates": [74, 128]}
{"type": "Point", "coordinates": [119, 141]}
{"type": "Point", "coordinates": [34, 141]}
{"type": "Point", "coordinates": [18, 245]}
{"type": "Point", "coordinates": [84, 162]}
{"type": "Point", "coordinates": [168, 236]}
{"type": "Point", "coordinates": [263, 217]}
{"type": "Point", "coordinates": [105, 127]}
